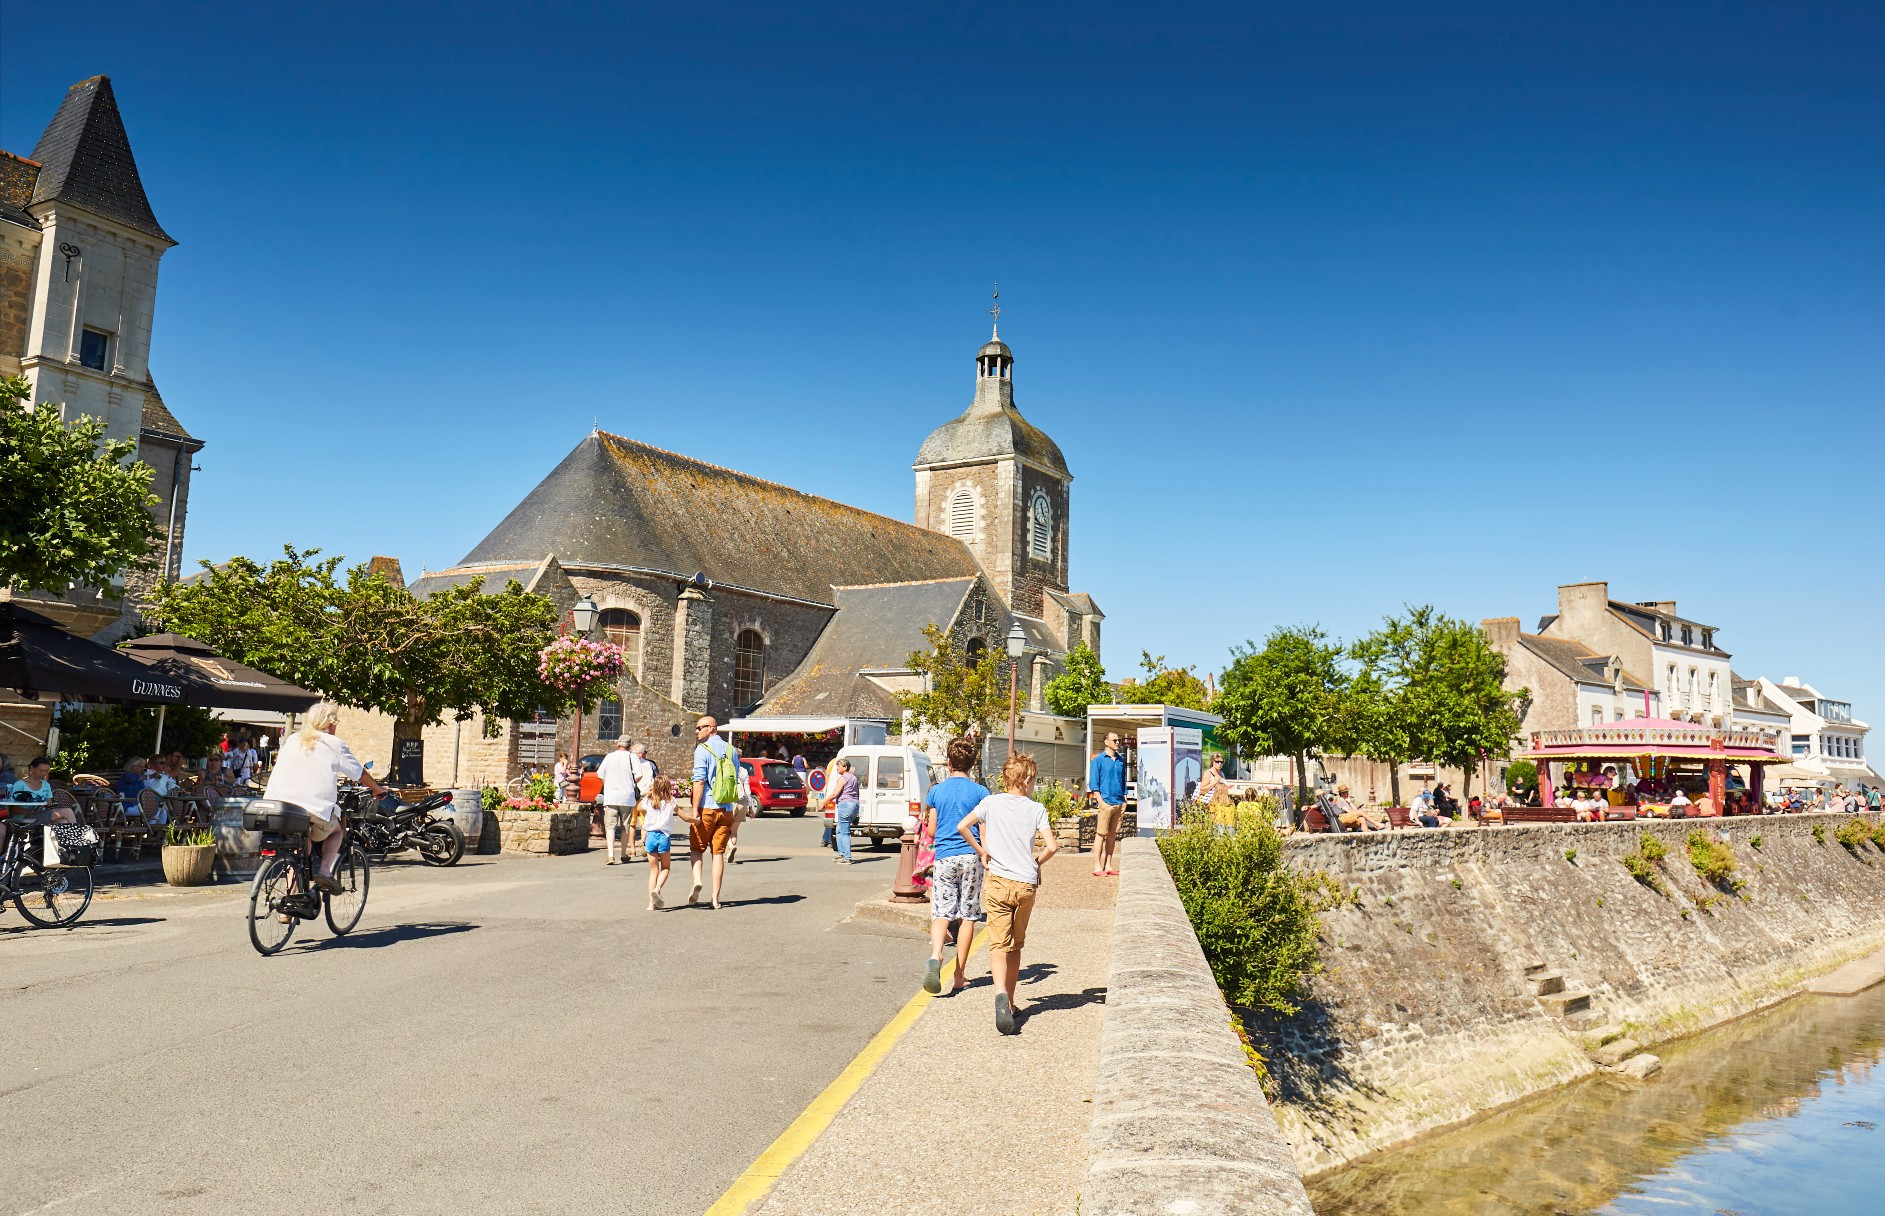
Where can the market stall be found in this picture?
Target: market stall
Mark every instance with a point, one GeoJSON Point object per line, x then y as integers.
{"type": "Point", "coordinates": [1656, 767]}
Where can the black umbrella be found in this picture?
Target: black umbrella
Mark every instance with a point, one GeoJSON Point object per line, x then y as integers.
{"type": "Point", "coordinates": [211, 680]}
{"type": "Point", "coordinates": [41, 658]}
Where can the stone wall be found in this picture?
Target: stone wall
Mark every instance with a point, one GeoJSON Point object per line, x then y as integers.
{"type": "Point", "coordinates": [1436, 1002]}
{"type": "Point", "coordinates": [543, 832]}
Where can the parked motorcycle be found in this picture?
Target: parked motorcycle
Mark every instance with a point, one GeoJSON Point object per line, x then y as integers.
{"type": "Point", "coordinates": [390, 826]}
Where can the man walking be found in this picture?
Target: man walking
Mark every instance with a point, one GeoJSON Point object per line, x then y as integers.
{"type": "Point", "coordinates": [644, 781]}
{"type": "Point", "coordinates": [716, 796]}
{"type": "Point", "coordinates": [1015, 841]}
{"type": "Point", "coordinates": [955, 885]}
{"type": "Point", "coordinates": [619, 795]}
{"type": "Point", "coordinates": [1106, 783]}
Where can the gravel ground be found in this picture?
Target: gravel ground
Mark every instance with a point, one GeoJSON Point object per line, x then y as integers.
{"type": "Point", "coordinates": [960, 1119]}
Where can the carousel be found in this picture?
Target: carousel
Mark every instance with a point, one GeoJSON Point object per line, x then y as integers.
{"type": "Point", "coordinates": [1657, 767]}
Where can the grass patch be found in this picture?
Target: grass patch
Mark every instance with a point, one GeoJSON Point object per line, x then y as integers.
{"type": "Point", "coordinates": [1713, 860]}
{"type": "Point", "coordinates": [1854, 833]}
{"type": "Point", "coordinates": [1819, 833]}
{"type": "Point", "coordinates": [1754, 841]}
{"type": "Point", "coordinates": [1642, 863]}
{"type": "Point", "coordinates": [1570, 854]}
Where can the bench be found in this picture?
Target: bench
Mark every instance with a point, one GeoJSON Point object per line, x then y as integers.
{"type": "Point", "coordinates": [1539, 814]}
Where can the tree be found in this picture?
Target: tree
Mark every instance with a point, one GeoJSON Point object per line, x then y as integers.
{"type": "Point", "coordinates": [369, 643]}
{"type": "Point", "coordinates": [1083, 684]}
{"type": "Point", "coordinates": [958, 697]}
{"type": "Point", "coordinates": [1285, 699]}
{"type": "Point", "coordinates": [102, 737]}
{"type": "Point", "coordinates": [72, 510]}
{"type": "Point", "coordinates": [1164, 685]}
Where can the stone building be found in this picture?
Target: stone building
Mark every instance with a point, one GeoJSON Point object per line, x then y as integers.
{"type": "Point", "coordinates": [79, 250]}
{"type": "Point", "coordinates": [1571, 685]}
{"type": "Point", "coordinates": [737, 596]}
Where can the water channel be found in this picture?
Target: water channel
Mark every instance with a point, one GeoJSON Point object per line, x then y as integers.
{"type": "Point", "coordinates": [1779, 1114]}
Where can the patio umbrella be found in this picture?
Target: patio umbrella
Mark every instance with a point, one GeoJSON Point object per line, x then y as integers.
{"type": "Point", "coordinates": [41, 658]}
{"type": "Point", "coordinates": [213, 681]}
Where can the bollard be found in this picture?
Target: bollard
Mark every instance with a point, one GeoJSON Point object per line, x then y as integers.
{"type": "Point", "coordinates": [905, 890]}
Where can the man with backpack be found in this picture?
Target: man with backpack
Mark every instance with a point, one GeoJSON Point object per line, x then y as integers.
{"type": "Point", "coordinates": [716, 796]}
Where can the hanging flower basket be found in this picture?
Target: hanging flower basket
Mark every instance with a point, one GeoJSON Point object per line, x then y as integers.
{"type": "Point", "coordinates": [574, 665]}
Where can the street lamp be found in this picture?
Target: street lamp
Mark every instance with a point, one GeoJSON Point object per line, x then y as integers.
{"type": "Point", "coordinates": [1017, 645]}
{"type": "Point", "coordinates": [583, 616]}
{"type": "Point", "coordinates": [583, 619]}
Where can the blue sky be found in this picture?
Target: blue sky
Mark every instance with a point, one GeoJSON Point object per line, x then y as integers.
{"type": "Point", "coordinates": [1331, 311]}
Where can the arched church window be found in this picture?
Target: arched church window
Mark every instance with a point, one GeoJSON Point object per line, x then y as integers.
{"type": "Point", "coordinates": [1041, 527]}
{"type": "Point", "coordinates": [975, 650]}
{"type": "Point", "coordinates": [623, 628]}
{"type": "Point", "coordinates": [961, 517]}
{"type": "Point", "coordinates": [749, 667]}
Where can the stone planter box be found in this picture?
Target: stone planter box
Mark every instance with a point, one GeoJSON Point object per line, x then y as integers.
{"type": "Point", "coordinates": [1129, 825]}
{"type": "Point", "coordinates": [543, 832]}
{"type": "Point", "coordinates": [188, 865]}
{"type": "Point", "coordinates": [1076, 832]}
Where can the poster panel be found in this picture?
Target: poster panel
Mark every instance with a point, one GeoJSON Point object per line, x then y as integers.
{"type": "Point", "coordinates": [1187, 763]}
{"type": "Point", "coordinates": [1155, 777]}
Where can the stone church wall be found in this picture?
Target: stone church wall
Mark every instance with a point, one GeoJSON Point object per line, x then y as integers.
{"type": "Point", "coordinates": [1033, 575]}
{"type": "Point", "coordinates": [17, 248]}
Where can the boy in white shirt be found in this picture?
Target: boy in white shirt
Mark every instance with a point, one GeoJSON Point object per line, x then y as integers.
{"type": "Point", "coordinates": [1015, 841]}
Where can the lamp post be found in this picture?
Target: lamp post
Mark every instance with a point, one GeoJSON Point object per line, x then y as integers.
{"type": "Point", "coordinates": [582, 619]}
{"type": "Point", "coordinates": [1017, 644]}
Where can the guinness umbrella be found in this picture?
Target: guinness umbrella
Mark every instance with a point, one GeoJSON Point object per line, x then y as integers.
{"type": "Point", "coordinates": [211, 680]}
{"type": "Point", "coordinates": [40, 657]}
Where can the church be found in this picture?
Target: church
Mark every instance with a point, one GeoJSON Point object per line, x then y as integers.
{"type": "Point", "coordinates": [740, 597]}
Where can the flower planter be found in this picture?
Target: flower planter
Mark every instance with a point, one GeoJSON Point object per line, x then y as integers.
{"type": "Point", "coordinates": [543, 832]}
{"type": "Point", "coordinates": [188, 865]}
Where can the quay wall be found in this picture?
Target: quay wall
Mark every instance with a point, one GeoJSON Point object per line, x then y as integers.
{"type": "Point", "coordinates": [1427, 1013]}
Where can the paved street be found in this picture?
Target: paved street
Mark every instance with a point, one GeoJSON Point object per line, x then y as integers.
{"type": "Point", "coordinates": [513, 1035]}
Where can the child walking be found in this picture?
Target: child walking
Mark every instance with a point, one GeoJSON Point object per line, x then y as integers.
{"type": "Point", "coordinates": [657, 821]}
{"type": "Point", "coordinates": [1013, 844]}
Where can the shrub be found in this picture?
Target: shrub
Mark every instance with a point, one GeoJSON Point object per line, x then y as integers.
{"type": "Point", "coordinates": [1521, 777]}
{"type": "Point", "coordinates": [1642, 863]}
{"type": "Point", "coordinates": [1570, 854]}
{"type": "Point", "coordinates": [188, 833]}
{"type": "Point", "coordinates": [1755, 841]}
{"type": "Point", "coordinates": [1058, 800]}
{"type": "Point", "coordinates": [1712, 859]}
{"type": "Point", "coordinates": [1653, 848]}
{"type": "Point", "coordinates": [1852, 833]}
{"type": "Point", "coordinates": [1819, 833]}
{"type": "Point", "coordinates": [491, 797]}
{"type": "Point", "coordinates": [1878, 833]}
{"type": "Point", "coordinates": [1255, 918]}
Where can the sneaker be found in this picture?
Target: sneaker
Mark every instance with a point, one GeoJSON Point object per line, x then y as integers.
{"type": "Point", "coordinates": [655, 901]}
{"type": "Point", "coordinates": [693, 896]}
{"type": "Point", "coordinates": [328, 884]}
{"type": "Point", "coordinates": [1004, 1014]}
{"type": "Point", "coordinates": [733, 854]}
{"type": "Point", "coordinates": [932, 977]}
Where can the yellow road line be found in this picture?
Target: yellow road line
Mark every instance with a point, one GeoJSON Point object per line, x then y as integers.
{"type": "Point", "coordinates": [752, 1186]}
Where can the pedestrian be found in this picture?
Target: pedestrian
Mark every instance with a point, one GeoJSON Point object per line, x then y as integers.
{"type": "Point", "coordinates": [656, 811]}
{"type": "Point", "coordinates": [845, 795]}
{"type": "Point", "coordinates": [1106, 785]}
{"type": "Point", "coordinates": [955, 887]}
{"type": "Point", "coordinates": [619, 795]}
{"type": "Point", "coordinates": [740, 812]}
{"type": "Point", "coordinates": [716, 797]}
{"type": "Point", "coordinates": [645, 772]}
{"type": "Point", "coordinates": [1015, 841]}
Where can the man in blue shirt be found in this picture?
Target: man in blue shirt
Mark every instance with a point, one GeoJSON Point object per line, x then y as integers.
{"type": "Point", "coordinates": [955, 882]}
{"type": "Point", "coordinates": [1106, 783]}
{"type": "Point", "coordinates": [712, 824]}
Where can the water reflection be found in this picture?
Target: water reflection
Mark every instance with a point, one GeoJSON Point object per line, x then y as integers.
{"type": "Point", "coordinates": [1777, 1114]}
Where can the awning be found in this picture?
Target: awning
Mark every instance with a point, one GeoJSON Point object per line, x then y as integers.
{"type": "Point", "coordinates": [212, 680]}
{"type": "Point", "coordinates": [40, 658]}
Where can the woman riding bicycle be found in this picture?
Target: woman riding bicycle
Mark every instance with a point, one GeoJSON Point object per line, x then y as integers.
{"type": "Point", "coordinates": [305, 773]}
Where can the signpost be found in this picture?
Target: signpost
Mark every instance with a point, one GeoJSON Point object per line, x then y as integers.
{"type": "Point", "coordinates": [409, 763]}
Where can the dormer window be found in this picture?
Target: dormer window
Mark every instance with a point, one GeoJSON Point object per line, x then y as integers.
{"type": "Point", "coordinates": [1688, 636]}
{"type": "Point", "coordinates": [95, 349]}
{"type": "Point", "coordinates": [1708, 639]}
{"type": "Point", "coordinates": [1666, 631]}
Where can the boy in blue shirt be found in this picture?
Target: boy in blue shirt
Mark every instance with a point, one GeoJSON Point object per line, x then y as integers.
{"type": "Point", "coordinates": [955, 885]}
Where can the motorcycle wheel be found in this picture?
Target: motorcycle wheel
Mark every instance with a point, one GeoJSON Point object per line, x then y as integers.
{"type": "Point", "coordinates": [441, 844]}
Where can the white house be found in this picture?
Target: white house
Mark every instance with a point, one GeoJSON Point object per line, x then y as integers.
{"type": "Point", "coordinates": [1826, 737]}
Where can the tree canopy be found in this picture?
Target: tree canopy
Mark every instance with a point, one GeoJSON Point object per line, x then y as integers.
{"type": "Point", "coordinates": [958, 697]}
{"type": "Point", "coordinates": [1163, 684]}
{"type": "Point", "coordinates": [1082, 684]}
{"type": "Point", "coordinates": [1285, 699]}
{"type": "Point", "coordinates": [370, 643]}
{"type": "Point", "coordinates": [73, 509]}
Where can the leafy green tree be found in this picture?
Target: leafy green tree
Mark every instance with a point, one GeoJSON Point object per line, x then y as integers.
{"type": "Point", "coordinates": [105, 736]}
{"type": "Point", "coordinates": [1082, 684]}
{"type": "Point", "coordinates": [367, 642]}
{"type": "Point", "coordinates": [1521, 777]}
{"type": "Point", "coordinates": [72, 507]}
{"type": "Point", "coordinates": [1286, 699]}
{"type": "Point", "coordinates": [1164, 685]}
{"type": "Point", "coordinates": [959, 697]}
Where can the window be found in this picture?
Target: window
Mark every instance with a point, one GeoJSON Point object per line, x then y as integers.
{"type": "Point", "coordinates": [1688, 636]}
{"type": "Point", "coordinates": [961, 517]}
{"type": "Point", "coordinates": [1665, 631]}
{"type": "Point", "coordinates": [1041, 527]}
{"type": "Point", "coordinates": [609, 720]}
{"type": "Point", "coordinates": [1596, 715]}
{"type": "Point", "coordinates": [890, 772]}
{"type": "Point", "coordinates": [975, 650]}
{"type": "Point", "coordinates": [1708, 639]}
{"type": "Point", "coordinates": [749, 667]}
{"type": "Point", "coordinates": [1799, 746]}
{"type": "Point", "coordinates": [95, 349]}
{"type": "Point", "coordinates": [623, 628]}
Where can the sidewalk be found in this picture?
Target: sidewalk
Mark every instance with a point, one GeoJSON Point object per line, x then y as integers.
{"type": "Point", "coordinates": [957, 1117]}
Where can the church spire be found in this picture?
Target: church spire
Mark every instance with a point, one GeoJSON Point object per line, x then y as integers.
{"type": "Point", "coordinates": [994, 368]}
{"type": "Point", "coordinates": [995, 314]}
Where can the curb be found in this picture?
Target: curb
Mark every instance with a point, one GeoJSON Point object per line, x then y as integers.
{"type": "Point", "coordinates": [1179, 1121]}
{"type": "Point", "coordinates": [878, 910]}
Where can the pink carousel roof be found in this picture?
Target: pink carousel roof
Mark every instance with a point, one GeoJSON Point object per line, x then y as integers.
{"type": "Point", "coordinates": [1657, 737]}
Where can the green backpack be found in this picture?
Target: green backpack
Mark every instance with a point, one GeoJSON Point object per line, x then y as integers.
{"type": "Point", "coordinates": [726, 777]}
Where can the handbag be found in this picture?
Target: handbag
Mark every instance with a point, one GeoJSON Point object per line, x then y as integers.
{"type": "Point", "coordinates": [70, 844]}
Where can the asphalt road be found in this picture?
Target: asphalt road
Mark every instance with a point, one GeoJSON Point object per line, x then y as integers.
{"type": "Point", "coordinates": [512, 1035]}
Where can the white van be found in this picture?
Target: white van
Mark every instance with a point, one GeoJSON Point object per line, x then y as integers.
{"type": "Point", "coordinates": [892, 783]}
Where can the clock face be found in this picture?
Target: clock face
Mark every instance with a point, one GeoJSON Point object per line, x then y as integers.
{"type": "Point", "coordinates": [1040, 509]}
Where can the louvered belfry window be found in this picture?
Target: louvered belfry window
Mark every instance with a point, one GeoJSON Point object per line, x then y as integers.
{"type": "Point", "coordinates": [961, 521]}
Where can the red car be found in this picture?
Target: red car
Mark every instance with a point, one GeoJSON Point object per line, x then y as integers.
{"type": "Point", "coordinates": [776, 786]}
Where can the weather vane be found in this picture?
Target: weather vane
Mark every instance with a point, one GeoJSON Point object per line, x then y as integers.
{"type": "Point", "coordinates": [995, 312]}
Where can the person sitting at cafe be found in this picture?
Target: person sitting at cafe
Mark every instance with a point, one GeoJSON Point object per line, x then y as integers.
{"type": "Point", "coordinates": [131, 780]}
{"type": "Point", "coordinates": [1679, 805]}
{"type": "Point", "coordinates": [36, 786]}
{"type": "Point", "coordinates": [1444, 803]}
{"type": "Point", "coordinates": [1423, 811]}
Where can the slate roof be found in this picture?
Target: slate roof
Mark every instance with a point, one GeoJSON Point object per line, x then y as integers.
{"type": "Point", "coordinates": [86, 160]}
{"type": "Point", "coordinates": [1078, 601]}
{"type": "Point", "coordinates": [877, 628]}
{"type": "Point", "coordinates": [1575, 660]}
{"type": "Point", "coordinates": [990, 427]}
{"type": "Point", "coordinates": [17, 175]}
{"type": "Point", "coordinates": [157, 415]}
{"type": "Point", "coordinates": [616, 502]}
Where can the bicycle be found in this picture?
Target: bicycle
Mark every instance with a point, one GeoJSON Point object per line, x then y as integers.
{"type": "Point", "coordinates": [283, 893]}
{"type": "Point", "coordinates": [51, 897]}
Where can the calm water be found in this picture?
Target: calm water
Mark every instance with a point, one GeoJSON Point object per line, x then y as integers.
{"type": "Point", "coordinates": [1781, 1114]}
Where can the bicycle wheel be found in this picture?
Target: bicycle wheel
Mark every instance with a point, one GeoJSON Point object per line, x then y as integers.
{"type": "Point", "coordinates": [345, 907]}
{"type": "Point", "coordinates": [442, 844]}
{"type": "Point", "coordinates": [271, 886]}
{"type": "Point", "coordinates": [52, 898]}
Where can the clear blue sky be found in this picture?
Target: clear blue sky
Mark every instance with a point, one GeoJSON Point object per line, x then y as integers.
{"type": "Point", "coordinates": [1330, 311]}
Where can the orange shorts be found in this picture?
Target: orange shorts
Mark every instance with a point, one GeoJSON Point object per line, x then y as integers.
{"type": "Point", "coordinates": [1008, 904]}
{"type": "Point", "coordinates": [711, 833]}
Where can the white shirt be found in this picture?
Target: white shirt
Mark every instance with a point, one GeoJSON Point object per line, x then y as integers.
{"type": "Point", "coordinates": [244, 760]}
{"type": "Point", "coordinates": [1011, 825]}
{"type": "Point", "coordinates": [644, 772]}
{"type": "Point", "coordinates": [658, 818]}
{"type": "Point", "coordinates": [305, 777]}
{"type": "Point", "coordinates": [162, 784]}
{"type": "Point", "coordinates": [617, 771]}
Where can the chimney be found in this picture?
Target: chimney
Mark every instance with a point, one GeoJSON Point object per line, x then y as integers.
{"type": "Point", "coordinates": [1501, 632]}
{"type": "Point", "coordinates": [388, 569]}
{"type": "Point", "coordinates": [1665, 606]}
{"type": "Point", "coordinates": [1581, 607]}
